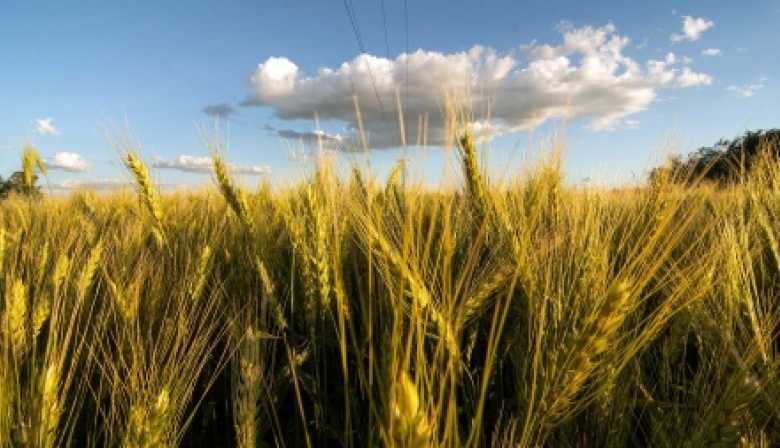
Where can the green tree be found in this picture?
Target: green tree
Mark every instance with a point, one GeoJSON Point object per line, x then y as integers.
{"type": "Point", "coordinates": [15, 185]}
{"type": "Point", "coordinates": [725, 161]}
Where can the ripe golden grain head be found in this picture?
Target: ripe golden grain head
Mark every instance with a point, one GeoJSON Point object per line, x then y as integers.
{"type": "Point", "coordinates": [410, 424]}
{"type": "Point", "coordinates": [31, 159]}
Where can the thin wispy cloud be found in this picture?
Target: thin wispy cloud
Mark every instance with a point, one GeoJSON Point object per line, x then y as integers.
{"type": "Point", "coordinates": [586, 76]}
{"type": "Point", "coordinates": [67, 161]}
{"type": "Point", "coordinates": [316, 138]}
{"type": "Point", "coordinates": [745, 91]}
{"type": "Point", "coordinates": [692, 28]}
{"type": "Point", "coordinates": [44, 127]}
{"type": "Point", "coordinates": [194, 164]}
{"type": "Point", "coordinates": [711, 52]}
{"type": "Point", "coordinates": [223, 110]}
{"type": "Point", "coordinates": [300, 157]}
{"type": "Point", "coordinates": [97, 184]}
{"type": "Point", "coordinates": [631, 124]}
{"type": "Point", "coordinates": [307, 136]}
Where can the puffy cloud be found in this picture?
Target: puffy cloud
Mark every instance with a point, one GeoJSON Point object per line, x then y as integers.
{"type": "Point", "coordinates": [194, 164]}
{"type": "Point", "coordinates": [587, 76]}
{"type": "Point", "coordinates": [223, 110]}
{"type": "Point", "coordinates": [67, 161]}
{"type": "Point", "coordinates": [745, 91]}
{"type": "Point", "coordinates": [44, 127]}
{"type": "Point", "coordinates": [711, 52]}
{"type": "Point", "coordinates": [692, 28]}
{"type": "Point", "coordinates": [689, 79]}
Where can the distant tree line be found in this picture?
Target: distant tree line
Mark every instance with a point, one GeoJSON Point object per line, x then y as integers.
{"type": "Point", "coordinates": [22, 183]}
{"type": "Point", "coordinates": [15, 185]}
{"type": "Point", "coordinates": [726, 161]}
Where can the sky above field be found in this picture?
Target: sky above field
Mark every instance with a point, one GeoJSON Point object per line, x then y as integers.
{"type": "Point", "coordinates": [614, 81]}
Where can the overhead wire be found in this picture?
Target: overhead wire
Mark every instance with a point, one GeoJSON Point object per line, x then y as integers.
{"type": "Point", "coordinates": [356, 29]}
{"type": "Point", "coordinates": [384, 25]}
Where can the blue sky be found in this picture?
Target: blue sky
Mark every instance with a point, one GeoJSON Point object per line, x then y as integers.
{"type": "Point", "coordinates": [622, 80]}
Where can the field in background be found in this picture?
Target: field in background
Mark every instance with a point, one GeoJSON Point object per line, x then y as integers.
{"type": "Point", "coordinates": [348, 312]}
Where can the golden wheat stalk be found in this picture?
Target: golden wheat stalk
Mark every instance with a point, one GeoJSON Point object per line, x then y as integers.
{"type": "Point", "coordinates": [576, 359]}
{"type": "Point", "coordinates": [3, 236]}
{"type": "Point", "coordinates": [474, 181]}
{"type": "Point", "coordinates": [320, 258]}
{"type": "Point", "coordinates": [269, 291]}
{"type": "Point", "coordinates": [124, 298]}
{"type": "Point", "coordinates": [410, 425]}
{"type": "Point", "coordinates": [147, 193]}
{"type": "Point", "coordinates": [477, 300]}
{"type": "Point", "coordinates": [15, 318]}
{"type": "Point", "coordinates": [88, 273]}
{"type": "Point", "coordinates": [420, 298]}
{"type": "Point", "coordinates": [233, 196]}
{"type": "Point", "coordinates": [247, 386]}
{"type": "Point", "coordinates": [726, 423]}
{"type": "Point", "coordinates": [31, 159]}
{"type": "Point", "coordinates": [393, 179]}
{"type": "Point", "coordinates": [202, 273]}
{"type": "Point", "coordinates": [51, 404]}
{"type": "Point", "coordinates": [7, 391]}
{"type": "Point", "coordinates": [150, 421]}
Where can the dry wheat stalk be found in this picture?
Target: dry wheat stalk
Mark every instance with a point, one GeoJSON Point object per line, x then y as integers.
{"type": "Point", "coordinates": [31, 159]}
{"type": "Point", "coordinates": [247, 386]}
{"type": "Point", "coordinates": [409, 426]}
{"type": "Point", "coordinates": [320, 259]}
{"type": "Point", "coordinates": [15, 318]}
{"type": "Point", "coordinates": [421, 298]}
{"type": "Point", "coordinates": [574, 362]}
{"type": "Point", "coordinates": [233, 196]}
{"type": "Point", "coordinates": [3, 236]}
{"type": "Point", "coordinates": [726, 424]}
{"type": "Point", "coordinates": [85, 278]}
{"type": "Point", "coordinates": [477, 300]}
{"type": "Point", "coordinates": [474, 180]}
{"type": "Point", "coordinates": [149, 422]}
{"type": "Point", "coordinates": [147, 193]}
{"type": "Point", "coordinates": [202, 272]}
{"type": "Point", "coordinates": [50, 404]}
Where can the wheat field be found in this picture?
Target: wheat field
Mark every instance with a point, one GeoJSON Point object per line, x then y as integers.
{"type": "Point", "coordinates": [348, 311]}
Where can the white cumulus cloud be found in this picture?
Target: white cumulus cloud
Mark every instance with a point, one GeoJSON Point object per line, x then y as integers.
{"type": "Point", "coordinates": [193, 164]}
{"type": "Point", "coordinates": [688, 78]}
{"type": "Point", "coordinates": [692, 28]}
{"type": "Point", "coordinates": [586, 76]}
{"type": "Point", "coordinates": [44, 127]}
{"type": "Point", "coordinates": [711, 52]}
{"type": "Point", "coordinates": [67, 161]}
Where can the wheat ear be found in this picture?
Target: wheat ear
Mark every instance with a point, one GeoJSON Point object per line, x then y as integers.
{"type": "Point", "coordinates": [410, 426]}
{"type": "Point", "coordinates": [31, 159]}
{"type": "Point", "coordinates": [147, 193]}
{"type": "Point", "coordinates": [233, 196]}
{"type": "Point", "coordinates": [474, 180]}
{"type": "Point", "coordinates": [576, 359]}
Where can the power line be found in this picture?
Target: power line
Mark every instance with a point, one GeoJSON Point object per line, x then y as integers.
{"type": "Point", "coordinates": [406, 75]}
{"type": "Point", "coordinates": [384, 25]}
{"type": "Point", "coordinates": [353, 21]}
